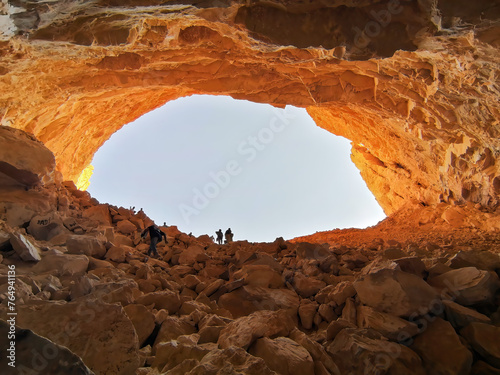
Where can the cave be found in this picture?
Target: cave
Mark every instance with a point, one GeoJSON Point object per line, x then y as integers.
{"type": "Point", "coordinates": [414, 86]}
{"type": "Point", "coordinates": [230, 162]}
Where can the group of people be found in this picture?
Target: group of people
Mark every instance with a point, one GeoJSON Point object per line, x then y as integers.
{"type": "Point", "coordinates": [156, 235]}
{"type": "Point", "coordinates": [228, 235]}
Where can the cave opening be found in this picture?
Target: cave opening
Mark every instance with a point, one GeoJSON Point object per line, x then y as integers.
{"type": "Point", "coordinates": [205, 163]}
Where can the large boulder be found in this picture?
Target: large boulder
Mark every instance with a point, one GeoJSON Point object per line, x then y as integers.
{"type": "Point", "coordinates": [307, 250]}
{"type": "Point", "coordinates": [248, 299]}
{"type": "Point", "coordinates": [99, 213]}
{"type": "Point", "coordinates": [396, 292]}
{"type": "Point", "coordinates": [307, 286]}
{"type": "Point", "coordinates": [23, 159]}
{"type": "Point", "coordinates": [165, 299]}
{"type": "Point", "coordinates": [172, 353]}
{"type": "Point", "coordinates": [231, 360]}
{"type": "Point", "coordinates": [173, 327]}
{"type": "Point", "coordinates": [24, 247]}
{"type": "Point", "coordinates": [244, 331]}
{"type": "Point", "coordinates": [283, 355]}
{"type": "Point", "coordinates": [468, 285]}
{"type": "Point", "coordinates": [441, 350]}
{"type": "Point", "coordinates": [142, 319]}
{"type": "Point", "coordinates": [390, 326]}
{"type": "Point", "coordinates": [484, 260]}
{"type": "Point", "coordinates": [60, 264]}
{"type": "Point", "coordinates": [188, 256]}
{"type": "Point", "coordinates": [484, 339]}
{"type": "Point", "coordinates": [340, 293]}
{"type": "Point", "coordinates": [118, 254]}
{"type": "Point", "coordinates": [100, 333]}
{"type": "Point", "coordinates": [365, 351]}
{"type": "Point", "coordinates": [260, 275]}
{"type": "Point", "coordinates": [316, 350]}
{"type": "Point", "coordinates": [46, 227]}
{"type": "Point", "coordinates": [87, 245]}
{"type": "Point", "coordinates": [33, 354]}
{"type": "Point", "coordinates": [460, 316]}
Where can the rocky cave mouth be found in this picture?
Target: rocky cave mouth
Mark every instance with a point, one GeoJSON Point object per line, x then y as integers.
{"type": "Point", "coordinates": [417, 96]}
{"type": "Point", "coordinates": [266, 172]}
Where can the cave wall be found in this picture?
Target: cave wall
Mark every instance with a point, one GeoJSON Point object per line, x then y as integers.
{"type": "Point", "coordinates": [413, 84]}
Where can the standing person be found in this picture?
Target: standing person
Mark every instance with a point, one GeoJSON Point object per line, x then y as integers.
{"type": "Point", "coordinates": [229, 236]}
{"type": "Point", "coordinates": [155, 235]}
{"type": "Point", "coordinates": [219, 236]}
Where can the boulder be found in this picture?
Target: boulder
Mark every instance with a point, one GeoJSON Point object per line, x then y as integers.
{"type": "Point", "coordinates": [349, 311]}
{"type": "Point", "coordinates": [230, 360]}
{"type": "Point", "coordinates": [341, 292]}
{"type": "Point", "coordinates": [365, 351]}
{"type": "Point", "coordinates": [260, 275]}
{"type": "Point", "coordinates": [118, 254]}
{"type": "Point", "coordinates": [99, 213]}
{"type": "Point", "coordinates": [60, 264]}
{"type": "Point", "coordinates": [35, 354]}
{"type": "Point", "coordinates": [244, 331]}
{"type": "Point", "coordinates": [307, 286]}
{"type": "Point", "coordinates": [172, 353]}
{"type": "Point", "coordinates": [165, 299]}
{"type": "Point", "coordinates": [412, 265]}
{"type": "Point", "coordinates": [484, 260]}
{"type": "Point", "coordinates": [142, 319]}
{"type": "Point", "coordinates": [307, 250]}
{"type": "Point", "coordinates": [248, 299]}
{"type": "Point", "coordinates": [396, 292]}
{"type": "Point", "coordinates": [19, 214]}
{"type": "Point", "coordinates": [460, 316]}
{"type": "Point", "coordinates": [441, 350]}
{"type": "Point", "coordinates": [100, 333]}
{"type": "Point", "coordinates": [46, 227]}
{"type": "Point", "coordinates": [484, 339]}
{"type": "Point", "coordinates": [81, 286]}
{"type": "Point", "coordinates": [307, 311]}
{"type": "Point", "coordinates": [316, 350]}
{"type": "Point", "coordinates": [210, 334]}
{"type": "Point", "coordinates": [283, 355]}
{"type": "Point", "coordinates": [327, 313]}
{"type": "Point", "coordinates": [24, 159]}
{"type": "Point", "coordinates": [213, 287]}
{"type": "Point", "coordinates": [172, 327]}
{"type": "Point", "coordinates": [469, 285]}
{"type": "Point", "coordinates": [86, 245]}
{"type": "Point", "coordinates": [336, 326]}
{"type": "Point", "coordinates": [24, 248]}
{"type": "Point", "coordinates": [188, 256]}
{"type": "Point", "coordinates": [390, 326]}
{"type": "Point", "coordinates": [126, 227]}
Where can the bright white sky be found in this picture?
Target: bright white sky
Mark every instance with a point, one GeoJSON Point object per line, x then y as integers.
{"type": "Point", "coordinates": [209, 162]}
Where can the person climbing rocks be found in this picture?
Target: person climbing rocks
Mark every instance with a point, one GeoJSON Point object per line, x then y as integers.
{"type": "Point", "coordinates": [156, 235]}
{"type": "Point", "coordinates": [219, 236]}
{"type": "Point", "coordinates": [229, 236]}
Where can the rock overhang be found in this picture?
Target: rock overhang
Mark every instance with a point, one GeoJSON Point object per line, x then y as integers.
{"type": "Point", "coordinates": [419, 103]}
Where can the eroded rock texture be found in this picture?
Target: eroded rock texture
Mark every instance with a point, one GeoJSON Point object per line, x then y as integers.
{"type": "Point", "coordinates": [414, 84]}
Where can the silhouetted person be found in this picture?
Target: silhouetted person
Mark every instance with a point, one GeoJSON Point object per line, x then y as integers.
{"type": "Point", "coordinates": [229, 235]}
{"type": "Point", "coordinates": [219, 236]}
{"type": "Point", "coordinates": [156, 236]}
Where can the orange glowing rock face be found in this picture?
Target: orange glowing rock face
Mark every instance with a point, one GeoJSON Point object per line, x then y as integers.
{"type": "Point", "coordinates": [423, 106]}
